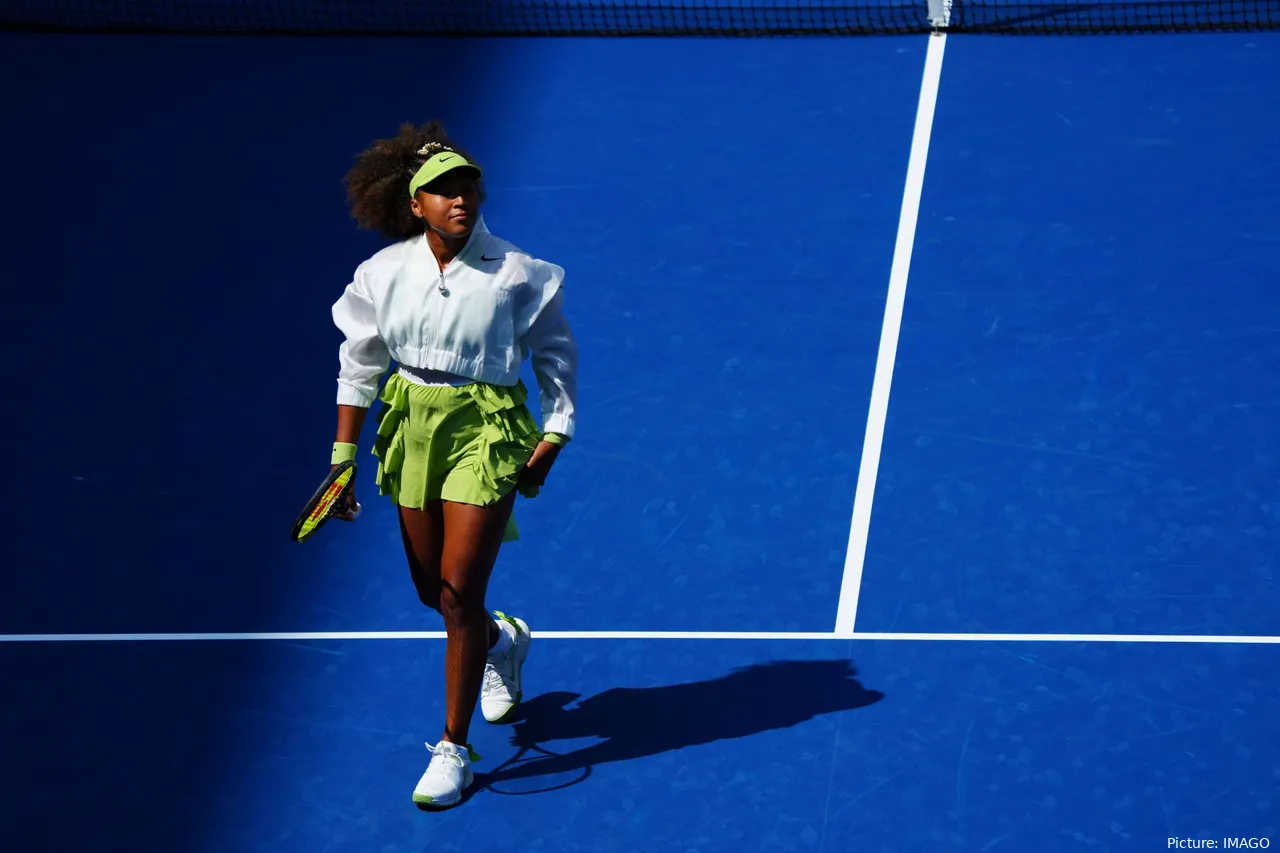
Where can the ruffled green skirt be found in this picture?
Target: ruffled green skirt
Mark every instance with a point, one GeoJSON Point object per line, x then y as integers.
{"type": "Point", "coordinates": [466, 444]}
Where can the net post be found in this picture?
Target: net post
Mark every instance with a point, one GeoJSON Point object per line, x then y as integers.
{"type": "Point", "coordinates": [939, 14]}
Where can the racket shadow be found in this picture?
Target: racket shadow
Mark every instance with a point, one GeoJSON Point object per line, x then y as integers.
{"type": "Point", "coordinates": [634, 723]}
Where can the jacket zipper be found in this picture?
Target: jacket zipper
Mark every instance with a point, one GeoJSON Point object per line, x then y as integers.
{"type": "Point", "coordinates": [428, 338]}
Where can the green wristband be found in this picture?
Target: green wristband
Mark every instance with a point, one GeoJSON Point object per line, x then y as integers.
{"type": "Point", "coordinates": [555, 438]}
{"type": "Point", "coordinates": [342, 452]}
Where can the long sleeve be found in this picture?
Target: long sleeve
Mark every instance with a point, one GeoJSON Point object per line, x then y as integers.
{"type": "Point", "coordinates": [362, 357]}
{"type": "Point", "coordinates": [554, 357]}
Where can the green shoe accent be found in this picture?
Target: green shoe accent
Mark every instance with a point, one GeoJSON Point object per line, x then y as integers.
{"type": "Point", "coordinates": [510, 621]}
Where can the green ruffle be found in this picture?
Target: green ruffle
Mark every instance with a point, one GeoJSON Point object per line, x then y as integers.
{"type": "Point", "coordinates": [466, 443]}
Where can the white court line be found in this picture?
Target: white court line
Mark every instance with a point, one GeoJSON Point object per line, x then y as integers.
{"type": "Point", "coordinates": [653, 635]}
{"type": "Point", "coordinates": [851, 583]}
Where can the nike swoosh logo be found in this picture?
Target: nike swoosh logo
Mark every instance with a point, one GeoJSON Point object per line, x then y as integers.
{"type": "Point", "coordinates": [483, 258]}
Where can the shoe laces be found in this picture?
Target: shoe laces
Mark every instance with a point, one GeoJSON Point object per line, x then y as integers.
{"type": "Point", "coordinates": [439, 753]}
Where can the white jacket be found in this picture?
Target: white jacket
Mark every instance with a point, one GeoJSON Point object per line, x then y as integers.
{"type": "Point", "coordinates": [492, 307]}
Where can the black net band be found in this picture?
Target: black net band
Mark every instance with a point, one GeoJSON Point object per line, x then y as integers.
{"type": "Point", "coordinates": [629, 17]}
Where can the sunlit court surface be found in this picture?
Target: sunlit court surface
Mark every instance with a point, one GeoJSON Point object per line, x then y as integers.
{"type": "Point", "coordinates": [925, 491]}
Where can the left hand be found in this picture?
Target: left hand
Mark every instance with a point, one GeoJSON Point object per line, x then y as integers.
{"type": "Point", "coordinates": [539, 465]}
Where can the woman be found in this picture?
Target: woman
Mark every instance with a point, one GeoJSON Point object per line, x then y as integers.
{"type": "Point", "coordinates": [458, 310]}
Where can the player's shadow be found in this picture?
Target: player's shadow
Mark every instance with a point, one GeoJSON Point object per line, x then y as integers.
{"type": "Point", "coordinates": [639, 722]}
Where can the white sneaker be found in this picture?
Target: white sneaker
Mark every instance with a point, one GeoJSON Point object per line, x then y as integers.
{"type": "Point", "coordinates": [502, 690]}
{"type": "Point", "coordinates": [447, 776]}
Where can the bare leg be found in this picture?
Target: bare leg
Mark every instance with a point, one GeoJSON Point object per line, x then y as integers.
{"type": "Point", "coordinates": [473, 537]}
{"type": "Point", "coordinates": [422, 531]}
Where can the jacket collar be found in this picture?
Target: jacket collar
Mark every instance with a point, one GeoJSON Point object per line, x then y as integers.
{"type": "Point", "coordinates": [478, 233]}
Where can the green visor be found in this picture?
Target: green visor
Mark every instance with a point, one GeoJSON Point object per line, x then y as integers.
{"type": "Point", "coordinates": [440, 164]}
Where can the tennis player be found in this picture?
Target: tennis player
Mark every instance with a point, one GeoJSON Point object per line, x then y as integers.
{"type": "Point", "coordinates": [459, 310]}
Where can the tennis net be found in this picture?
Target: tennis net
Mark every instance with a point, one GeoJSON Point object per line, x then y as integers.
{"type": "Point", "coordinates": [637, 17]}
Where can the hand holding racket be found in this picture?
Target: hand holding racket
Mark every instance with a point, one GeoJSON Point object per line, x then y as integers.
{"type": "Point", "coordinates": [334, 499]}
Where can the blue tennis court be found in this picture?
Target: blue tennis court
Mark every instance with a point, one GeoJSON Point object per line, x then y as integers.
{"type": "Point", "coordinates": [1022, 597]}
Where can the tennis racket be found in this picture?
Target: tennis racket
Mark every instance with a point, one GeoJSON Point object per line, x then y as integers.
{"type": "Point", "coordinates": [329, 500]}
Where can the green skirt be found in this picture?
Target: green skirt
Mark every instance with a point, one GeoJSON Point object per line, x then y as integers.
{"type": "Point", "coordinates": [466, 444]}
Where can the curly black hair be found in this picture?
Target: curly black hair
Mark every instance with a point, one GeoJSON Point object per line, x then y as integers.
{"type": "Point", "coordinates": [378, 184]}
